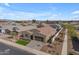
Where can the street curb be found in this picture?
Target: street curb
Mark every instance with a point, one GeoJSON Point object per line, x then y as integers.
{"type": "Point", "coordinates": [27, 49]}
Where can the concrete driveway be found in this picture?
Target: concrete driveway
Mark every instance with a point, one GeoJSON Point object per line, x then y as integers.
{"type": "Point", "coordinates": [4, 35]}
{"type": "Point", "coordinates": [36, 44]}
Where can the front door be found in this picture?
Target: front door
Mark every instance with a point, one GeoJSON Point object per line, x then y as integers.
{"type": "Point", "coordinates": [0, 30]}
{"type": "Point", "coordinates": [32, 37]}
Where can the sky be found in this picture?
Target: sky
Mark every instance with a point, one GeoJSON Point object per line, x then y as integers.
{"type": "Point", "coordinates": [39, 11]}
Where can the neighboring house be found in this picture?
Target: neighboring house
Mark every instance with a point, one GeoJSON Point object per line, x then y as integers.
{"type": "Point", "coordinates": [2, 30]}
{"type": "Point", "coordinates": [56, 26]}
{"type": "Point", "coordinates": [13, 26]}
{"type": "Point", "coordinates": [74, 22]}
{"type": "Point", "coordinates": [31, 32]}
{"type": "Point", "coordinates": [40, 34]}
{"type": "Point", "coordinates": [24, 35]}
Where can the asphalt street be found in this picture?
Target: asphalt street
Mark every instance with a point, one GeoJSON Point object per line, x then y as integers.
{"type": "Point", "coordinates": [9, 50]}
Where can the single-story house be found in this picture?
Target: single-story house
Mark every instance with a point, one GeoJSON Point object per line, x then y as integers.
{"type": "Point", "coordinates": [44, 33]}
{"type": "Point", "coordinates": [2, 30]}
{"type": "Point", "coordinates": [40, 34]}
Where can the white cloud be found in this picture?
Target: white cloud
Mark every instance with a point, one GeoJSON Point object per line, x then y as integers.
{"type": "Point", "coordinates": [10, 14]}
{"type": "Point", "coordinates": [5, 13]}
{"type": "Point", "coordinates": [75, 12]}
{"type": "Point", "coordinates": [7, 4]}
{"type": "Point", "coordinates": [75, 15]}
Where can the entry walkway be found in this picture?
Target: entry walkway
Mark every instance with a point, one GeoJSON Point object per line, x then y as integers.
{"type": "Point", "coordinates": [64, 48]}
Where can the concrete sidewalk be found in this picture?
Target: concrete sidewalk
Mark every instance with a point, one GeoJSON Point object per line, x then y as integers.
{"type": "Point", "coordinates": [64, 48]}
{"type": "Point", "coordinates": [30, 50]}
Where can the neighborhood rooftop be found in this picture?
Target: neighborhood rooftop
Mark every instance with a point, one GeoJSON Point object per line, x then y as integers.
{"type": "Point", "coordinates": [47, 30]}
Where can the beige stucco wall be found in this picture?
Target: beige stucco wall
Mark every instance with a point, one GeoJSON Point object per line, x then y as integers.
{"type": "Point", "coordinates": [47, 38]}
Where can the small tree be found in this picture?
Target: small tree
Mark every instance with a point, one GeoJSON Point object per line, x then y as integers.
{"type": "Point", "coordinates": [14, 32]}
{"type": "Point", "coordinates": [71, 29]}
{"type": "Point", "coordinates": [33, 21]}
{"type": "Point", "coordinates": [47, 21]}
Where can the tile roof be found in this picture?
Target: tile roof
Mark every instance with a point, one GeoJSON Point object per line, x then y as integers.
{"type": "Point", "coordinates": [47, 30]}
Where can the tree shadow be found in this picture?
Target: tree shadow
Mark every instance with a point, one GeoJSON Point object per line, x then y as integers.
{"type": "Point", "coordinates": [75, 42]}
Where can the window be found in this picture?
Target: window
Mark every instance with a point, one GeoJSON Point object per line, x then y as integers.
{"type": "Point", "coordinates": [26, 35]}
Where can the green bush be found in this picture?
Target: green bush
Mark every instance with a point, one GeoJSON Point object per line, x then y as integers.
{"type": "Point", "coordinates": [22, 42]}
{"type": "Point", "coordinates": [71, 29]}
